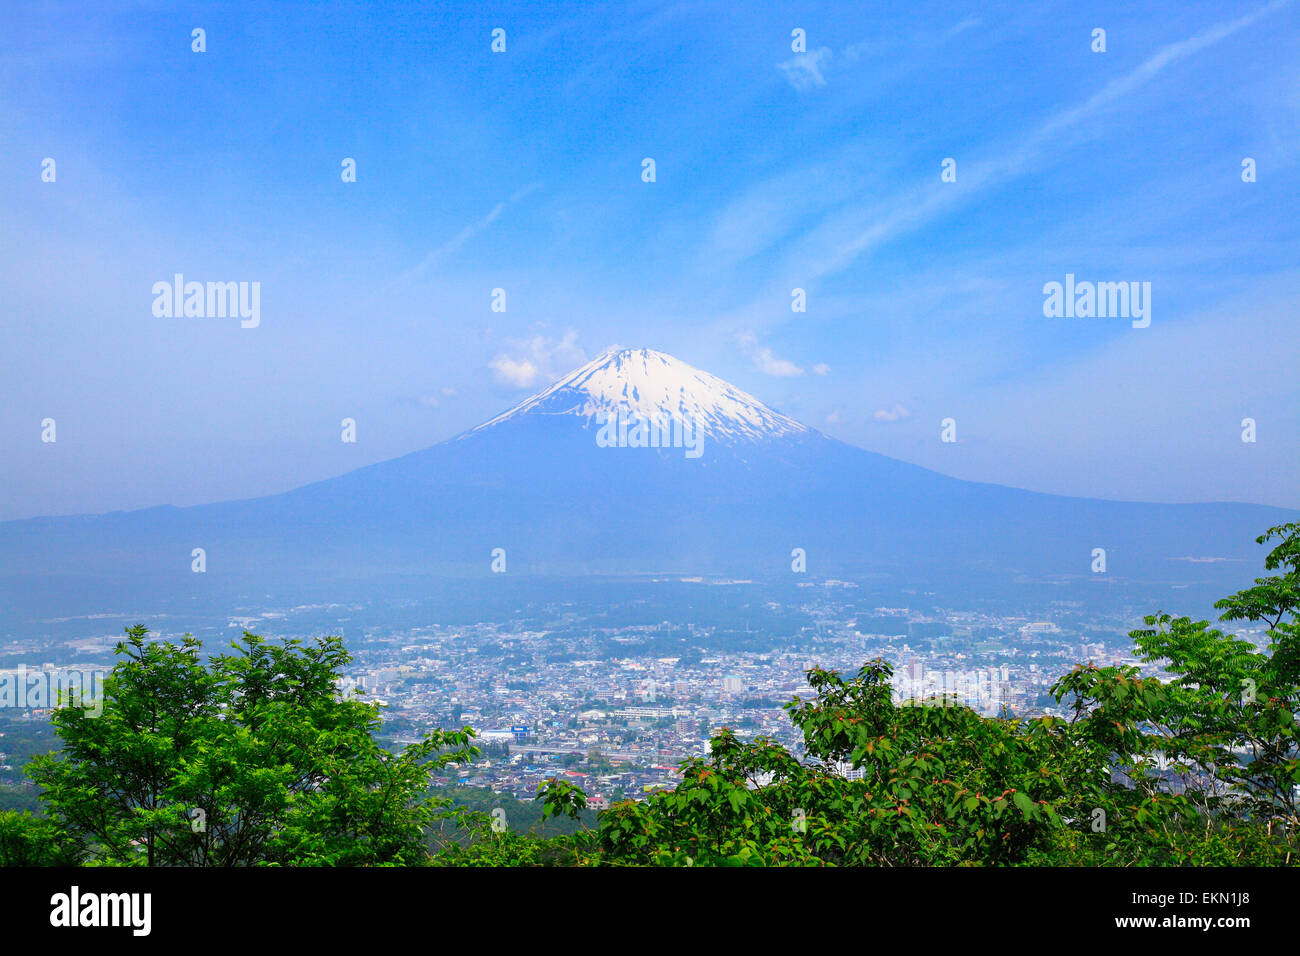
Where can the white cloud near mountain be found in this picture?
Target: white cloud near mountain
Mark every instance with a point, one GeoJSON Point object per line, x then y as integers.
{"type": "Point", "coordinates": [519, 373]}
{"type": "Point", "coordinates": [764, 359]}
{"type": "Point", "coordinates": [770, 364]}
{"type": "Point", "coordinates": [539, 360]}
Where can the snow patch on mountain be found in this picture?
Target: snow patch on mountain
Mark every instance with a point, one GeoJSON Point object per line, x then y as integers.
{"type": "Point", "coordinates": [655, 387]}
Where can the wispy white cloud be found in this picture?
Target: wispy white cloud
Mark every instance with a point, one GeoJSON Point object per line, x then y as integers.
{"type": "Point", "coordinates": [764, 359]}
{"type": "Point", "coordinates": [517, 372]}
{"type": "Point", "coordinates": [968, 24]}
{"type": "Point", "coordinates": [1154, 64]}
{"type": "Point", "coordinates": [769, 364]}
{"type": "Point", "coordinates": [537, 361]}
{"type": "Point", "coordinates": [465, 235]}
{"type": "Point", "coordinates": [805, 71]}
{"type": "Point", "coordinates": [777, 206]}
{"type": "Point", "coordinates": [481, 225]}
{"type": "Point", "coordinates": [434, 400]}
{"type": "Point", "coordinates": [852, 231]}
{"type": "Point", "coordinates": [897, 413]}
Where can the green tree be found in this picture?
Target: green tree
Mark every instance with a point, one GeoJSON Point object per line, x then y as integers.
{"type": "Point", "coordinates": [1219, 741]}
{"type": "Point", "coordinates": [251, 758]}
{"type": "Point", "coordinates": [27, 840]}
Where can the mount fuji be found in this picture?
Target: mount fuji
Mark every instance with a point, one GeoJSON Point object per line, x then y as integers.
{"type": "Point", "coordinates": [641, 384]}
{"type": "Point", "coordinates": [536, 483]}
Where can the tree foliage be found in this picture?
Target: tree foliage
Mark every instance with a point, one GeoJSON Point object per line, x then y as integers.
{"type": "Point", "coordinates": [251, 758]}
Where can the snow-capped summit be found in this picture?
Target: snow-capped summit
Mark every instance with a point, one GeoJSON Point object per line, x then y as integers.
{"type": "Point", "coordinates": [655, 387]}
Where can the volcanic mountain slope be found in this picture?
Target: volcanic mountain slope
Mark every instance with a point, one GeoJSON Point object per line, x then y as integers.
{"type": "Point", "coordinates": [649, 385]}
{"type": "Point", "coordinates": [536, 483]}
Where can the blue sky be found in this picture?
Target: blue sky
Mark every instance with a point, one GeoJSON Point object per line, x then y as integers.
{"type": "Point", "coordinates": [522, 171]}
